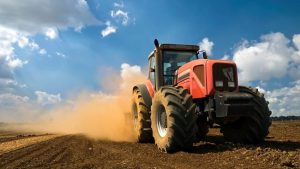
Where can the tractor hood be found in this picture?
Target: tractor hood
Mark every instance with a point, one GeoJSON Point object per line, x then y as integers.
{"type": "Point", "coordinates": [204, 77]}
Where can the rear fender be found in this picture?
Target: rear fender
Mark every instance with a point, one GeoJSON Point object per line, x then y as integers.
{"type": "Point", "coordinates": [145, 94]}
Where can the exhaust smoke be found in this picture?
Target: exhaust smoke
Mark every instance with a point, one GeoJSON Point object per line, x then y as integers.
{"type": "Point", "coordinates": [97, 115]}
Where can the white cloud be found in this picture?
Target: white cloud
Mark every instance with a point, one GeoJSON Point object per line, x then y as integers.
{"type": "Point", "coordinates": [108, 30]}
{"type": "Point", "coordinates": [128, 72]}
{"type": "Point", "coordinates": [52, 33]}
{"type": "Point", "coordinates": [36, 17]}
{"type": "Point", "coordinates": [60, 54]}
{"type": "Point", "coordinates": [272, 57]}
{"type": "Point", "coordinates": [42, 51]}
{"type": "Point", "coordinates": [21, 20]}
{"type": "Point", "coordinates": [284, 101]}
{"type": "Point", "coordinates": [119, 5]}
{"type": "Point", "coordinates": [45, 98]}
{"type": "Point", "coordinates": [260, 89]}
{"type": "Point", "coordinates": [130, 75]}
{"type": "Point", "coordinates": [16, 63]}
{"type": "Point", "coordinates": [33, 46]}
{"type": "Point", "coordinates": [23, 41]}
{"type": "Point", "coordinates": [9, 98]}
{"type": "Point", "coordinates": [225, 57]}
{"type": "Point", "coordinates": [206, 45]}
{"type": "Point", "coordinates": [8, 60]}
{"type": "Point", "coordinates": [120, 16]}
{"type": "Point", "coordinates": [7, 37]}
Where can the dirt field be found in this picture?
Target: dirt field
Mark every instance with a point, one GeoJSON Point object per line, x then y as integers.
{"type": "Point", "coordinates": [280, 150]}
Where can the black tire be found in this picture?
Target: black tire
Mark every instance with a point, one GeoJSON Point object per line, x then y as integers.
{"type": "Point", "coordinates": [252, 129]}
{"type": "Point", "coordinates": [173, 119]}
{"type": "Point", "coordinates": [140, 112]}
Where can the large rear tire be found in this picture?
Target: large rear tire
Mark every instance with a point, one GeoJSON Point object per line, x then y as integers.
{"type": "Point", "coordinates": [250, 129]}
{"type": "Point", "coordinates": [141, 118]}
{"type": "Point", "coordinates": [173, 119]}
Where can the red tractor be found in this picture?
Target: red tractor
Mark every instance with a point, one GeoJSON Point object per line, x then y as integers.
{"type": "Point", "coordinates": [185, 95]}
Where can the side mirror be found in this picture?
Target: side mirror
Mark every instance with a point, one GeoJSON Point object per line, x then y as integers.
{"type": "Point", "coordinates": [205, 55]}
{"type": "Point", "coordinates": [152, 70]}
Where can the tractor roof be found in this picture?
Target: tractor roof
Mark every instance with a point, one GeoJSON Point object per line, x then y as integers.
{"type": "Point", "coordinates": [179, 47]}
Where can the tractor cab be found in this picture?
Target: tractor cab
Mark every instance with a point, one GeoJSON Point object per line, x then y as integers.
{"type": "Point", "coordinates": [166, 59]}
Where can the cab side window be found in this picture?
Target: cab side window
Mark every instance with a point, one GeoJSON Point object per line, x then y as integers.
{"type": "Point", "coordinates": [152, 73]}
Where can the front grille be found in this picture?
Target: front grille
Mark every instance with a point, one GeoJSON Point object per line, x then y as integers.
{"type": "Point", "coordinates": [224, 77]}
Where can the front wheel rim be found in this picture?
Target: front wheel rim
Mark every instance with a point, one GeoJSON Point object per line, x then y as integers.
{"type": "Point", "coordinates": [161, 121]}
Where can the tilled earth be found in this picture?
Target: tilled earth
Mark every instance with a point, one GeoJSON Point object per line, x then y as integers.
{"type": "Point", "coordinates": [280, 150]}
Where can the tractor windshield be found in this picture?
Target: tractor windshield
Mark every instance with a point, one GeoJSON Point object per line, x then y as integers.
{"type": "Point", "coordinates": [172, 60]}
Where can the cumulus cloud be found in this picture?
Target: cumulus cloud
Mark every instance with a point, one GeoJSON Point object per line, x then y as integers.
{"type": "Point", "coordinates": [206, 45]}
{"type": "Point", "coordinates": [42, 51]}
{"type": "Point", "coordinates": [108, 30]}
{"type": "Point", "coordinates": [8, 60]}
{"type": "Point", "coordinates": [45, 98]}
{"type": "Point", "coordinates": [21, 20]}
{"type": "Point", "coordinates": [225, 57]}
{"type": "Point", "coordinates": [9, 98]}
{"type": "Point", "coordinates": [23, 41]}
{"type": "Point", "coordinates": [51, 33]}
{"type": "Point", "coordinates": [284, 101]}
{"type": "Point", "coordinates": [38, 16]}
{"type": "Point", "coordinates": [16, 63]}
{"type": "Point", "coordinates": [130, 75]}
{"type": "Point", "coordinates": [272, 57]}
{"type": "Point", "coordinates": [128, 71]}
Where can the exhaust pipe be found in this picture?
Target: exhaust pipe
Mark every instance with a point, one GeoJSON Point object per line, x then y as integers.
{"type": "Point", "coordinates": [158, 66]}
{"type": "Point", "coordinates": [156, 43]}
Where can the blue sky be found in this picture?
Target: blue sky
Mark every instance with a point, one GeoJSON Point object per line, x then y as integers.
{"type": "Point", "coordinates": [52, 49]}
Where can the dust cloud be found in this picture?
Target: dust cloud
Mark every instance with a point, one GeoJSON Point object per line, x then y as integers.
{"type": "Point", "coordinates": [98, 115]}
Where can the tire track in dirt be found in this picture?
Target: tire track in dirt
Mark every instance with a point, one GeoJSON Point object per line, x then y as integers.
{"type": "Point", "coordinates": [21, 157]}
{"type": "Point", "coordinates": [15, 144]}
{"type": "Point", "coordinates": [78, 151]}
{"type": "Point", "coordinates": [41, 157]}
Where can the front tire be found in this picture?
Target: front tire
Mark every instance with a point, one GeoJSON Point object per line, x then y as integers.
{"type": "Point", "coordinates": [252, 129]}
{"type": "Point", "coordinates": [173, 119]}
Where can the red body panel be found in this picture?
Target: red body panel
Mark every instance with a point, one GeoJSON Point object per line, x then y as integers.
{"type": "Point", "coordinates": [193, 84]}
{"type": "Point", "coordinates": [150, 87]}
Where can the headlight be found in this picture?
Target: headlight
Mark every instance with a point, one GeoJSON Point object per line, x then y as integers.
{"type": "Point", "coordinates": [230, 84]}
{"type": "Point", "coordinates": [219, 83]}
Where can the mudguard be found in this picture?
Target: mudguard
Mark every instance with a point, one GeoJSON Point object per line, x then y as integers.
{"type": "Point", "coordinates": [145, 94]}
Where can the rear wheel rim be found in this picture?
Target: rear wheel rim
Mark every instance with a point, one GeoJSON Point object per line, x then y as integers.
{"type": "Point", "coordinates": [161, 122]}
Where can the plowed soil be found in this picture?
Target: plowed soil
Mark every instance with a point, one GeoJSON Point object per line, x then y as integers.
{"type": "Point", "coordinates": [280, 150]}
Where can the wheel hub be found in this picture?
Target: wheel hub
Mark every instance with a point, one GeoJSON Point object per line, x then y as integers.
{"type": "Point", "coordinates": [161, 121]}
